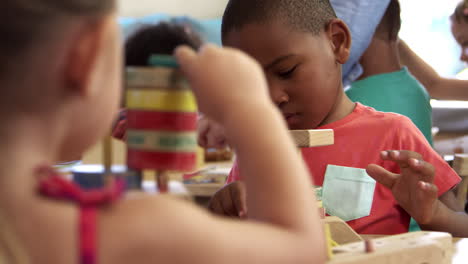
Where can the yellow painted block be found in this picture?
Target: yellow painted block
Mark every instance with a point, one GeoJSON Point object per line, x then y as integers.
{"type": "Point", "coordinates": [161, 100]}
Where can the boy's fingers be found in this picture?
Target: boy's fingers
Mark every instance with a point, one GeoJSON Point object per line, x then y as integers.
{"type": "Point", "coordinates": [239, 198]}
{"type": "Point", "coordinates": [401, 157]}
{"type": "Point", "coordinates": [385, 155]}
{"type": "Point", "coordinates": [221, 203]}
{"type": "Point", "coordinates": [202, 131]}
{"type": "Point", "coordinates": [425, 170]}
{"type": "Point", "coordinates": [429, 190]}
{"type": "Point", "coordinates": [426, 194]}
{"type": "Point", "coordinates": [202, 140]}
{"type": "Point", "coordinates": [215, 206]}
{"type": "Point", "coordinates": [219, 141]}
{"type": "Point", "coordinates": [212, 140]}
{"type": "Point", "coordinates": [382, 175]}
{"type": "Point", "coordinates": [406, 155]}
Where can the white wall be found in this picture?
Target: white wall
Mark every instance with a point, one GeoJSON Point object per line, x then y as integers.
{"type": "Point", "coordinates": [195, 8]}
{"type": "Point", "coordinates": [426, 28]}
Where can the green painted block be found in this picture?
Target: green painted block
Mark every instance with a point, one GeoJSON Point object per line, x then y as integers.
{"type": "Point", "coordinates": [163, 61]}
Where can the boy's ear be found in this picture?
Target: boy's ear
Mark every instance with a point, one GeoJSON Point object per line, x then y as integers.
{"type": "Point", "coordinates": [82, 56]}
{"type": "Point", "coordinates": [340, 36]}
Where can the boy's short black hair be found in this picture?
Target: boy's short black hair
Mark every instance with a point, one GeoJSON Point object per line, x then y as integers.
{"type": "Point", "coordinates": [304, 15]}
{"type": "Point", "coordinates": [390, 25]}
{"type": "Point", "coordinates": [162, 38]}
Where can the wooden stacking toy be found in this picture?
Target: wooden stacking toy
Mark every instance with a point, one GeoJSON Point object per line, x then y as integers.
{"type": "Point", "coordinates": [162, 115]}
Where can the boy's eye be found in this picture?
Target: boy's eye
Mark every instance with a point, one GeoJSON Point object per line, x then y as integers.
{"type": "Point", "coordinates": [287, 74]}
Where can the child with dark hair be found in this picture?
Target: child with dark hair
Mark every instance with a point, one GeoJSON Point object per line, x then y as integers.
{"type": "Point", "coordinates": [460, 28]}
{"type": "Point", "coordinates": [301, 46]}
{"type": "Point", "coordinates": [387, 86]}
{"type": "Point", "coordinates": [161, 38]}
{"type": "Point", "coordinates": [414, 188]}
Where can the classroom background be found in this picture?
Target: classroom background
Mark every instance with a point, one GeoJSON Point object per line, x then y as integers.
{"type": "Point", "coordinates": [425, 27]}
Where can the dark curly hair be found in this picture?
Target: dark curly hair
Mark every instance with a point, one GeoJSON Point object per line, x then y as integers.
{"type": "Point", "coordinates": [162, 38]}
{"type": "Point", "coordinates": [304, 15]}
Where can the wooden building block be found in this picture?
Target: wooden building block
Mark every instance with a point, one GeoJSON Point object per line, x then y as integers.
{"type": "Point", "coordinates": [313, 138]}
{"type": "Point", "coordinates": [204, 189]}
{"type": "Point", "coordinates": [409, 248]}
{"type": "Point", "coordinates": [461, 192]}
{"type": "Point", "coordinates": [154, 78]}
{"type": "Point", "coordinates": [460, 164]}
{"type": "Point", "coordinates": [341, 232]}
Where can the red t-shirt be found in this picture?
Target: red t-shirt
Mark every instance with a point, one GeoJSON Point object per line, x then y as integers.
{"type": "Point", "coordinates": [359, 139]}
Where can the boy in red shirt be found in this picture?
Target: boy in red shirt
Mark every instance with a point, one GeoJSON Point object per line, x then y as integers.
{"type": "Point", "coordinates": [301, 48]}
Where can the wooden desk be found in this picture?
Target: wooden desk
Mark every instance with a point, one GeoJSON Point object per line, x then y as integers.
{"type": "Point", "coordinates": [461, 248]}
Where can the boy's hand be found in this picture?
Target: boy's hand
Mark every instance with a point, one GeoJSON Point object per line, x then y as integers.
{"type": "Point", "coordinates": [413, 188]}
{"type": "Point", "coordinates": [210, 134]}
{"type": "Point", "coordinates": [223, 80]}
{"type": "Point", "coordinates": [231, 201]}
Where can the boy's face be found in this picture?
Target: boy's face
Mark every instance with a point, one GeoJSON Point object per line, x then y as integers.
{"type": "Point", "coordinates": [303, 70]}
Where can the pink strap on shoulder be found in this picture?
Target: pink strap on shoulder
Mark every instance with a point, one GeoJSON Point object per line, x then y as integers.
{"type": "Point", "coordinates": [55, 186]}
{"type": "Point", "coordinates": [88, 235]}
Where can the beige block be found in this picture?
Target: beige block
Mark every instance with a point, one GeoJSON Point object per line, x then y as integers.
{"type": "Point", "coordinates": [341, 232]}
{"type": "Point", "coordinates": [460, 164]}
{"type": "Point", "coordinates": [313, 138]}
{"type": "Point", "coordinates": [409, 248]}
{"type": "Point", "coordinates": [154, 78]}
{"type": "Point", "coordinates": [204, 190]}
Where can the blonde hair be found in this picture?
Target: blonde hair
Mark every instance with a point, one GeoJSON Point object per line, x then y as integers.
{"type": "Point", "coordinates": [27, 22]}
{"type": "Point", "coordinates": [24, 24]}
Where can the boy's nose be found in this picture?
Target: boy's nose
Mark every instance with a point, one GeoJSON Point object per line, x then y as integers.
{"type": "Point", "coordinates": [278, 96]}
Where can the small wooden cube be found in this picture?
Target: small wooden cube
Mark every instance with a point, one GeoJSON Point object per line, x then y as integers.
{"type": "Point", "coordinates": [460, 164]}
{"type": "Point", "coordinates": [313, 138]}
{"type": "Point", "coordinates": [154, 78]}
{"type": "Point", "coordinates": [341, 232]}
